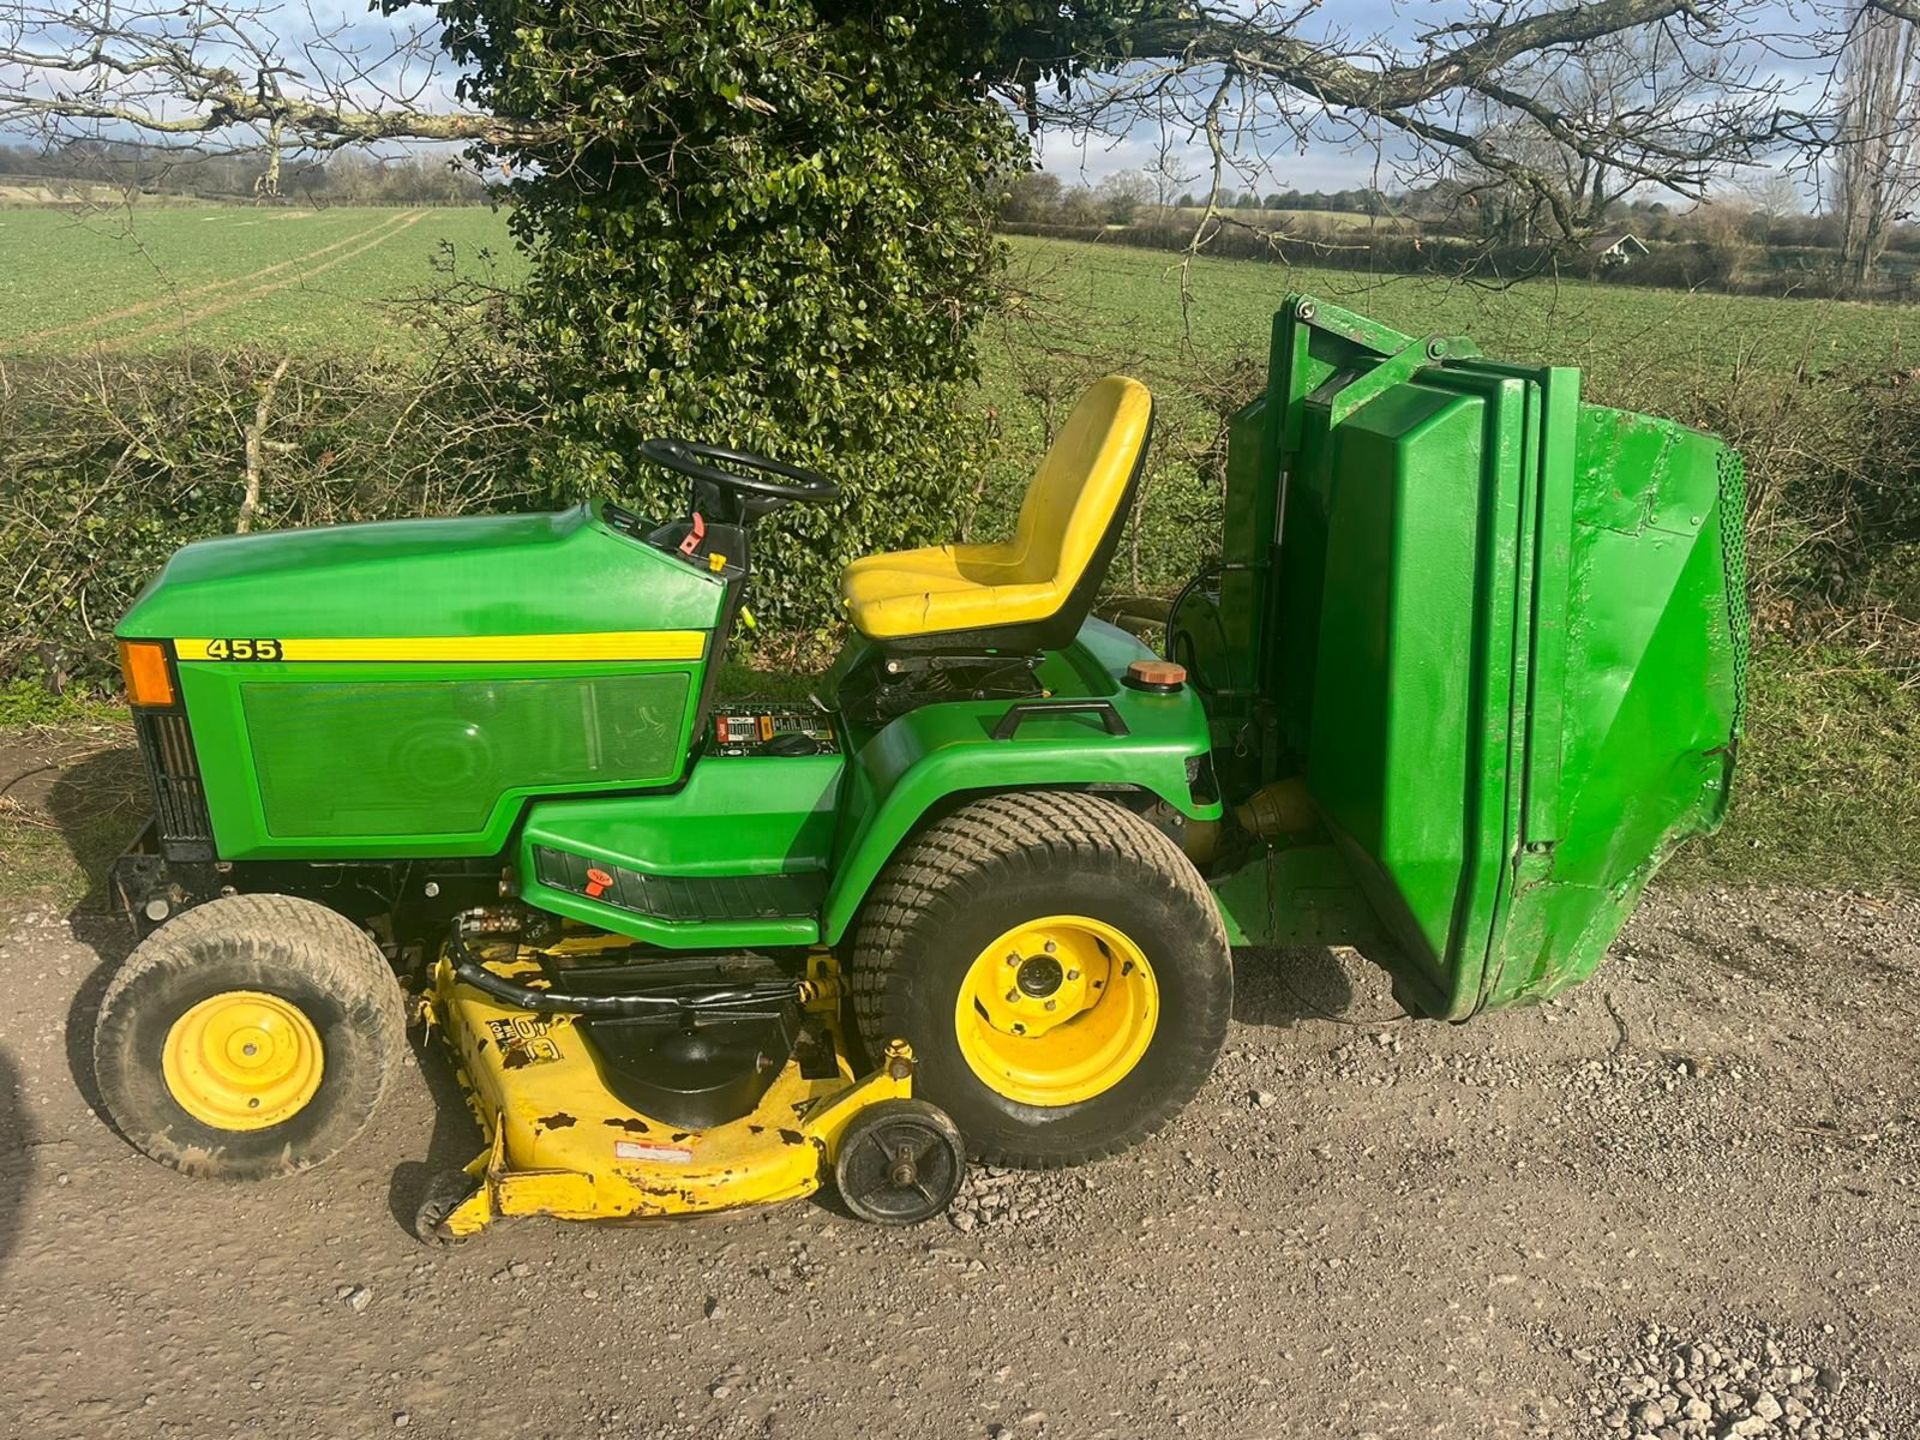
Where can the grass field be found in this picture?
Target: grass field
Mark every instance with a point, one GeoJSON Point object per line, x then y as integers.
{"type": "Point", "coordinates": [218, 275]}
{"type": "Point", "coordinates": [1129, 300]}
{"type": "Point", "coordinates": [221, 275]}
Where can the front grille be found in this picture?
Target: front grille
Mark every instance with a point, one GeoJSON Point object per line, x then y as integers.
{"type": "Point", "coordinates": [179, 799]}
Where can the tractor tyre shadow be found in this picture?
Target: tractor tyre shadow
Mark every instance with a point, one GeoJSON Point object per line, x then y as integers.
{"type": "Point", "coordinates": [98, 802]}
{"type": "Point", "coordinates": [1282, 989]}
{"type": "Point", "coordinates": [456, 1138]}
{"type": "Point", "coordinates": [110, 938]}
{"type": "Point", "coordinates": [16, 1158]}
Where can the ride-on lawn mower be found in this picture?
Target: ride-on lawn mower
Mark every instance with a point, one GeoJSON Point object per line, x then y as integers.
{"type": "Point", "coordinates": [1467, 668]}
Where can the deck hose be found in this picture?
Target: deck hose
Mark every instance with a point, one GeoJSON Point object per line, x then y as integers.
{"type": "Point", "coordinates": [469, 971]}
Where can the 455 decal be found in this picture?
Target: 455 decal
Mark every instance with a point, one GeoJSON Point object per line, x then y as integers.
{"type": "Point", "coordinates": [232, 648]}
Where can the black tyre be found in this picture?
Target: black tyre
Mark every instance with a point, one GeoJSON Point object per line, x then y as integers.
{"type": "Point", "coordinates": [447, 1191]}
{"type": "Point", "coordinates": [250, 1037]}
{"type": "Point", "coordinates": [1058, 966]}
{"type": "Point", "coordinates": [900, 1162]}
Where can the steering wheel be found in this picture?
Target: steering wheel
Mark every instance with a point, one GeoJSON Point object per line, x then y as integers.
{"type": "Point", "coordinates": [746, 474]}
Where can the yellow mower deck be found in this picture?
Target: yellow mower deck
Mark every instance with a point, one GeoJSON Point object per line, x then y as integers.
{"type": "Point", "coordinates": [559, 1144]}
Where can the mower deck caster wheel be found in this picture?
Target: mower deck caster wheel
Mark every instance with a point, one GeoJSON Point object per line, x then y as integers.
{"type": "Point", "coordinates": [447, 1191]}
{"type": "Point", "coordinates": [900, 1162]}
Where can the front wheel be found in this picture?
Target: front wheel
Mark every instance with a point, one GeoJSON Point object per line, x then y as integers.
{"type": "Point", "coordinates": [1059, 968]}
{"type": "Point", "coordinates": [252, 1036]}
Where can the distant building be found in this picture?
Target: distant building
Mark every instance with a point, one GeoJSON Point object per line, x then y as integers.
{"type": "Point", "coordinates": [1613, 251]}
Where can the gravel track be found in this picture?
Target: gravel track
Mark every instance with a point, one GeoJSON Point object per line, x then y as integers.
{"type": "Point", "coordinates": [1682, 1201]}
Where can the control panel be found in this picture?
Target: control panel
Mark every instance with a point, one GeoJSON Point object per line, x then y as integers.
{"type": "Point", "coordinates": [744, 728]}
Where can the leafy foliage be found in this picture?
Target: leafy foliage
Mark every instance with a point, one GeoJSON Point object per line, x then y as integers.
{"type": "Point", "coordinates": [110, 465]}
{"type": "Point", "coordinates": [761, 223]}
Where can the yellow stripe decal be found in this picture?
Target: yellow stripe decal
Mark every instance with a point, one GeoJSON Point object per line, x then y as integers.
{"type": "Point", "coordinates": [600, 645]}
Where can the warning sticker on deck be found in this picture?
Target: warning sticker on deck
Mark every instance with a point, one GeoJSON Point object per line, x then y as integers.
{"type": "Point", "coordinates": [651, 1150]}
{"type": "Point", "coordinates": [524, 1042]}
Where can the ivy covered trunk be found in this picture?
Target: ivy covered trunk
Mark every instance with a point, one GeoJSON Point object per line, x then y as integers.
{"type": "Point", "coordinates": [759, 224]}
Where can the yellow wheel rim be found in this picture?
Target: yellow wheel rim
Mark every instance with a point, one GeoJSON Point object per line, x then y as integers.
{"type": "Point", "coordinates": [242, 1060]}
{"type": "Point", "coordinates": [1057, 1010]}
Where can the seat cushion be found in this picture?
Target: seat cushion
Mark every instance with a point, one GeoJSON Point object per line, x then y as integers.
{"type": "Point", "coordinates": [1076, 496]}
{"type": "Point", "coordinates": [942, 588]}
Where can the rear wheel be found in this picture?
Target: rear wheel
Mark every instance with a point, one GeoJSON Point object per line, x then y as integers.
{"type": "Point", "coordinates": [1059, 968]}
{"type": "Point", "coordinates": [250, 1037]}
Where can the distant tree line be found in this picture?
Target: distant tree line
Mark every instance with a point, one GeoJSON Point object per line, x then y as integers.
{"type": "Point", "coordinates": [75, 170]}
{"type": "Point", "coordinates": [1324, 202]}
{"type": "Point", "coordinates": [1758, 238]}
{"type": "Point", "coordinates": [1043, 198]}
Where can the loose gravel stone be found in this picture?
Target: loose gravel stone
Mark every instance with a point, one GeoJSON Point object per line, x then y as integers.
{"type": "Point", "coordinates": [1658, 1386]}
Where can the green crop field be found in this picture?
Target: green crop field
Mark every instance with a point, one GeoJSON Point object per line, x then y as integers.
{"type": "Point", "coordinates": [156, 277]}
{"type": "Point", "coordinates": [1129, 301]}
{"type": "Point", "coordinates": [152, 278]}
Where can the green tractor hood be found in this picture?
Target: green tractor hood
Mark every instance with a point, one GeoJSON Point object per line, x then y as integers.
{"type": "Point", "coordinates": [549, 574]}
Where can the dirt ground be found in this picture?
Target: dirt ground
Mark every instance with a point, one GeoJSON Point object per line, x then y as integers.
{"type": "Point", "coordinates": [1695, 1180]}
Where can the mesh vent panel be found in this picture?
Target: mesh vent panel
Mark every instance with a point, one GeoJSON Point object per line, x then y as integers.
{"type": "Point", "coordinates": [1733, 554]}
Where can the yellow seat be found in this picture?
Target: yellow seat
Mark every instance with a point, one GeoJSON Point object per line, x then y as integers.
{"type": "Point", "coordinates": [1033, 590]}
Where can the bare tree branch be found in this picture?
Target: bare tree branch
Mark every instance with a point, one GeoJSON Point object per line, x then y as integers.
{"type": "Point", "coordinates": [1320, 71]}
{"type": "Point", "coordinates": [1484, 84]}
{"type": "Point", "coordinates": [1494, 91]}
{"type": "Point", "coordinates": [242, 72]}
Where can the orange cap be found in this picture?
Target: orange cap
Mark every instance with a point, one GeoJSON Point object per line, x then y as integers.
{"type": "Point", "coordinates": [1156, 674]}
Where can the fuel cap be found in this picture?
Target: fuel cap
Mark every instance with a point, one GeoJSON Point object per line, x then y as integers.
{"type": "Point", "coordinates": [1160, 677]}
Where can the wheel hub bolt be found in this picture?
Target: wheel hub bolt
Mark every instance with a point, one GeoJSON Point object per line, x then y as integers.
{"type": "Point", "coordinates": [904, 1173]}
{"type": "Point", "coordinates": [249, 1048]}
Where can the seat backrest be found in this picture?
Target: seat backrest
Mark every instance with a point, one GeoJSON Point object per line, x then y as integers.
{"type": "Point", "coordinates": [1080, 492]}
